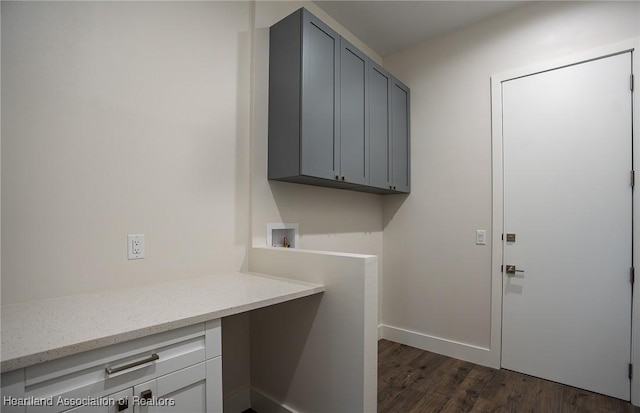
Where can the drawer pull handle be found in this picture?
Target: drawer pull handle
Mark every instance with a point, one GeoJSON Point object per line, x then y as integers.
{"type": "Point", "coordinates": [149, 359]}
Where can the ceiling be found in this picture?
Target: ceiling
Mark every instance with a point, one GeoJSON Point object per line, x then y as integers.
{"type": "Point", "coordinates": [391, 26]}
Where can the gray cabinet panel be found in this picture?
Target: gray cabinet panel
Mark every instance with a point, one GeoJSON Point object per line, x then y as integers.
{"type": "Point", "coordinates": [354, 103]}
{"type": "Point", "coordinates": [319, 143]}
{"type": "Point", "coordinates": [400, 150]}
{"type": "Point", "coordinates": [303, 98]}
{"type": "Point", "coordinates": [380, 127]}
{"type": "Point", "coordinates": [285, 71]}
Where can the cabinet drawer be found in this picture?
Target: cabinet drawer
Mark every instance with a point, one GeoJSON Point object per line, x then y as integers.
{"type": "Point", "coordinates": [106, 371]}
{"type": "Point", "coordinates": [116, 355]}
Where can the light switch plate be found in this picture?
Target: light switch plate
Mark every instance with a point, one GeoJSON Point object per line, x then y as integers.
{"type": "Point", "coordinates": [481, 237]}
{"type": "Point", "coordinates": [135, 246]}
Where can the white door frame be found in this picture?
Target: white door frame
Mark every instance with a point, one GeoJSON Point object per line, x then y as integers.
{"type": "Point", "coordinates": [498, 195]}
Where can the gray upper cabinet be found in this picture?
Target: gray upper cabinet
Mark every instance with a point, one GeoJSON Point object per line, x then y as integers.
{"type": "Point", "coordinates": [400, 141]}
{"type": "Point", "coordinates": [354, 115]}
{"type": "Point", "coordinates": [380, 82]}
{"type": "Point", "coordinates": [319, 94]}
{"type": "Point", "coordinates": [389, 131]}
{"type": "Point", "coordinates": [331, 116]}
{"type": "Point", "coordinates": [303, 99]}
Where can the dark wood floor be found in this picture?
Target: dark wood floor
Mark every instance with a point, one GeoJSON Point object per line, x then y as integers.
{"type": "Point", "coordinates": [412, 380]}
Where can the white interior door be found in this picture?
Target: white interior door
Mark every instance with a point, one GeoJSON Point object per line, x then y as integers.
{"type": "Point", "coordinates": [567, 153]}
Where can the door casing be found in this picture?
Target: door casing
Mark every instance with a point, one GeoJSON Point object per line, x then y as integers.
{"type": "Point", "coordinates": [632, 45]}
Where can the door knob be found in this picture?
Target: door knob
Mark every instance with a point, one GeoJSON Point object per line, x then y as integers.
{"type": "Point", "coordinates": [511, 269]}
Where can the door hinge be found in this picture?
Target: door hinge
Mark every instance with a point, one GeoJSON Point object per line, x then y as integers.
{"type": "Point", "coordinates": [632, 274]}
{"type": "Point", "coordinates": [633, 178]}
{"type": "Point", "coordinates": [631, 82]}
{"type": "Point", "coordinates": [630, 371]}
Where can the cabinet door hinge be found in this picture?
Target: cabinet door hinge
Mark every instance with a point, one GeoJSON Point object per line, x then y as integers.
{"type": "Point", "coordinates": [630, 371]}
{"type": "Point", "coordinates": [631, 82]}
{"type": "Point", "coordinates": [632, 275]}
{"type": "Point", "coordinates": [501, 268]}
{"type": "Point", "coordinates": [633, 178]}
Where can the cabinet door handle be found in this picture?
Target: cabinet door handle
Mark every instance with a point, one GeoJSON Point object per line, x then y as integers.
{"type": "Point", "coordinates": [149, 359]}
{"type": "Point", "coordinates": [123, 404]}
{"type": "Point", "coordinates": [343, 178]}
{"type": "Point", "coordinates": [146, 395]}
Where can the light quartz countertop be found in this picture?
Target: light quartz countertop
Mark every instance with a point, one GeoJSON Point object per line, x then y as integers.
{"type": "Point", "coordinates": [45, 330]}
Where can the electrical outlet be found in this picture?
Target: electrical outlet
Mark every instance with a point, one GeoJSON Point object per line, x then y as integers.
{"type": "Point", "coordinates": [135, 246]}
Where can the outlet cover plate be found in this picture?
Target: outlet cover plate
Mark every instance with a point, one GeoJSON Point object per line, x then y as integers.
{"type": "Point", "coordinates": [135, 246]}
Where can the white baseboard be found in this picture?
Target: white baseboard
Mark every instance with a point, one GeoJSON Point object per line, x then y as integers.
{"type": "Point", "coordinates": [237, 402]}
{"type": "Point", "coordinates": [450, 348]}
{"type": "Point", "coordinates": [264, 404]}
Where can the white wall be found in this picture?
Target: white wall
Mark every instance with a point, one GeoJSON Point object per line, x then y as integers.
{"type": "Point", "coordinates": [317, 354]}
{"type": "Point", "coordinates": [126, 118]}
{"type": "Point", "coordinates": [437, 288]}
{"type": "Point", "coordinates": [117, 118]}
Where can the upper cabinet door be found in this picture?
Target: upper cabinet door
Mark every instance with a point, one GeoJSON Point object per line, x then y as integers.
{"type": "Point", "coordinates": [354, 115]}
{"type": "Point", "coordinates": [380, 127]}
{"type": "Point", "coordinates": [400, 139]}
{"type": "Point", "coordinates": [319, 152]}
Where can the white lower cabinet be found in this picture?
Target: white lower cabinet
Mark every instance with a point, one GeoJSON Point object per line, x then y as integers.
{"type": "Point", "coordinates": [175, 371]}
{"type": "Point", "coordinates": [182, 391]}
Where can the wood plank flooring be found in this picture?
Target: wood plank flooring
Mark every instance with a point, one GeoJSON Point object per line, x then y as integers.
{"type": "Point", "coordinates": [411, 381]}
